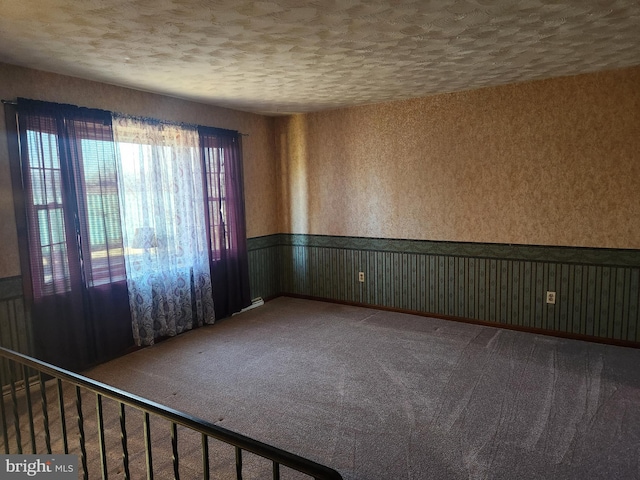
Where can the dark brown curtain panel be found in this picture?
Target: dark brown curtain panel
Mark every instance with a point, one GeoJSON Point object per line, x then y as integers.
{"type": "Point", "coordinates": [79, 301]}
{"type": "Point", "coordinates": [225, 210]}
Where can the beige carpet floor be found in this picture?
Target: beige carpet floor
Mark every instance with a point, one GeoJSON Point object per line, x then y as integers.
{"type": "Point", "coordinates": [380, 395]}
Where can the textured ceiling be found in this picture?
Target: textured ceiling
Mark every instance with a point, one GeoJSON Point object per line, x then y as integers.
{"type": "Point", "coordinates": [285, 56]}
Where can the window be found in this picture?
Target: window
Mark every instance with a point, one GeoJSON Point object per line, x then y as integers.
{"type": "Point", "coordinates": [216, 200]}
{"type": "Point", "coordinates": [48, 223]}
{"type": "Point", "coordinates": [84, 168]}
{"type": "Point", "coordinates": [100, 209]}
{"type": "Point", "coordinates": [118, 207]}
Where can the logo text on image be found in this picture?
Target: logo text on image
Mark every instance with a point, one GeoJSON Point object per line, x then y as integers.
{"type": "Point", "coordinates": [52, 467]}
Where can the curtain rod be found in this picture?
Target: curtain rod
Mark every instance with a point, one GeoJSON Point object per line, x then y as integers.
{"type": "Point", "coordinates": [13, 102]}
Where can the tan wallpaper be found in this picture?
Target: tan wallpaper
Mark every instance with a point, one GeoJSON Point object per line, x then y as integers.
{"type": "Point", "coordinates": [554, 162]}
{"type": "Point", "coordinates": [258, 147]}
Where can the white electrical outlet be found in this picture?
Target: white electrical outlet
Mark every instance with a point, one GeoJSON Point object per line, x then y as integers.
{"type": "Point", "coordinates": [361, 277]}
{"type": "Point", "coordinates": [551, 298]}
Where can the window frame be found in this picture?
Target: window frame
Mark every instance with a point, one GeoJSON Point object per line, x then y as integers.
{"type": "Point", "coordinates": [216, 196]}
{"type": "Point", "coordinates": [72, 173]}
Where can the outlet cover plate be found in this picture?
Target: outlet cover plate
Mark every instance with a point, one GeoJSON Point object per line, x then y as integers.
{"type": "Point", "coordinates": [551, 298]}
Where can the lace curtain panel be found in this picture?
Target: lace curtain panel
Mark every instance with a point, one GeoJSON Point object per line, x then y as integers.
{"type": "Point", "coordinates": [163, 227]}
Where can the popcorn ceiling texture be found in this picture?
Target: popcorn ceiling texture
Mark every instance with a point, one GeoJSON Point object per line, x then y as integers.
{"type": "Point", "coordinates": [553, 162]}
{"type": "Point", "coordinates": [258, 146]}
{"type": "Point", "coordinates": [299, 56]}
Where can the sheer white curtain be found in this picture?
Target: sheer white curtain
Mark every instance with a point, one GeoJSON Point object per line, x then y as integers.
{"type": "Point", "coordinates": [164, 229]}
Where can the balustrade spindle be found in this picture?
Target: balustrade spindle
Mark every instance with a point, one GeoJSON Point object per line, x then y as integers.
{"type": "Point", "coordinates": [238, 463]}
{"type": "Point", "coordinates": [103, 452]}
{"type": "Point", "coordinates": [82, 439]}
{"type": "Point", "coordinates": [45, 413]}
{"type": "Point", "coordinates": [123, 440]}
{"type": "Point", "coordinates": [3, 411]}
{"type": "Point", "coordinates": [147, 444]}
{"type": "Point", "coordinates": [205, 457]}
{"type": "Point", "coordinates": [63, 421]}
{"type": "Point", "coordinates": [174, 449]}
{"type": "Point", "coordinates": [27, 392]}
{"type": "Point", "coordinates": [14, 404]}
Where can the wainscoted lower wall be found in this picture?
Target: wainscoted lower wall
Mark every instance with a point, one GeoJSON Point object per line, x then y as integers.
{"type": "Point", "coordinates": [598, 290]}
{"type": "Point", "coordinates": [15, 328]}
{"type": "Point", "coordinates": [265, 265]}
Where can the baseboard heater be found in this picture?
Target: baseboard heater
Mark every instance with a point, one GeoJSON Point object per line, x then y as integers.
{"type": "Point", "coordinates": [256, 302]}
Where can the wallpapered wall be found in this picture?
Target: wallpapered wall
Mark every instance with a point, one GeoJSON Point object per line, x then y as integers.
{"type": "Point", "coordinates": [553, 162]}
{"type": "Point", "coordinates": [260, 174]}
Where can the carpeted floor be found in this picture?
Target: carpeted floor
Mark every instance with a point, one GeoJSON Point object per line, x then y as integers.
{"type": "Point", "coordinates": [380, 395]}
